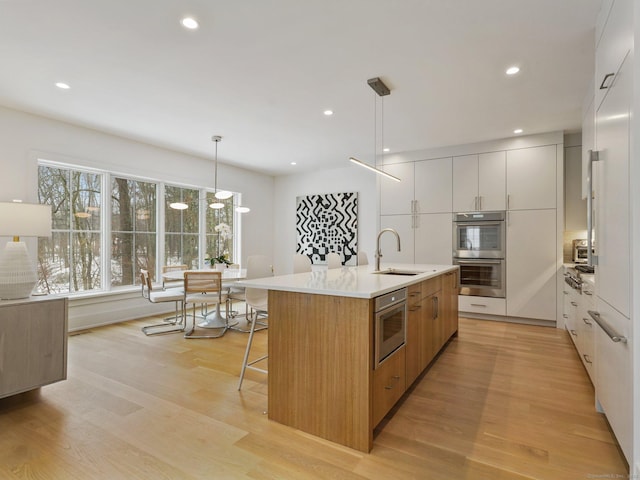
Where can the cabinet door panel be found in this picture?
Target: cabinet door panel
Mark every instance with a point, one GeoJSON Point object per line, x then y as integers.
{"type": "Point", "coordinates": [575, 208]}
{"type": "Point", "coordinates": [403, 224]}
{"type": "Point", "coordinates": [434, 185]}
{"type": "Point", "coordinates": [531, 178]}
{"type": "Point", "coordinates": [531, 264]}
{"type": "Point", "coordinates": [434, 238]}
{"type": "Point", "coordinates": [611, 177]}
{"type": "Point", "coordinates": [465, 183]}
{"type": "Point", "coordinates": [396, 197]}
{"type": "Point", "coordinates": [492, 181]}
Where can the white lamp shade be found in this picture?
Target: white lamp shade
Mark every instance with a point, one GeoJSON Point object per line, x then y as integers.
{"type": "Point", "coordinates": [24, 220]}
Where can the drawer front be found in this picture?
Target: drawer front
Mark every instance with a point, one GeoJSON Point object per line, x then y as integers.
{"type": "Point", "coordinates": [431, 286]}
{"type": "Point", "coordinates": [388, 384]}
{"type": "Point", "coordinates": [484, 305]}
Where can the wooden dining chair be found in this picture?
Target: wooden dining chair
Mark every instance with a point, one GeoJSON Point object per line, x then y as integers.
{"type": "Point", "coordinates": [204, 288]}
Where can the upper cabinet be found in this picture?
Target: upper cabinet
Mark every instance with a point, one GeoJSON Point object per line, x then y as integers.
{"type": "Point", "coordinates": [531, 178]}
{"type": "Point", "coordinates": [397, 197]}
{"type": "Point", "coordinates": [433, 188]}
{"type": "Point", "coordinates": [613, 42]}
{"type": "Point", "coordinates": [479, 182]}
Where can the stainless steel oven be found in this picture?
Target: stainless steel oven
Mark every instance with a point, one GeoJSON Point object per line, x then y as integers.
{"type": "Point", "coordinates": [482, 277]}
{"type": "Point", "coordinates": [479, 235]}
{"type": "Point", "coordinates": [390, 313]}
{"type": "Point", "coordinates": [479, 240]}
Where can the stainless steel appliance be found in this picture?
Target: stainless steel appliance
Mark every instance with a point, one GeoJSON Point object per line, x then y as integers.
{"type": "Point", "coordinates": [479, 240]}
{"type": "Point", "coordinates": [479, 235]}
{"type": "Point", "coordinates": [390, 313]}
{"type": "Point", "coordinates": [581, 251]}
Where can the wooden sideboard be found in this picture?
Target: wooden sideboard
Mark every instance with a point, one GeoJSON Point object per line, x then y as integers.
{"type": "Point", "coordinates": [33, 343]}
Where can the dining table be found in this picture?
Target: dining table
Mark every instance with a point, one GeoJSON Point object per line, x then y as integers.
{"type": "Point", "coordinates": [229, 277]}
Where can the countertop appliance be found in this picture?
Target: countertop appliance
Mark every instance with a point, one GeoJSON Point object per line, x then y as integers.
{"type": "Point", "coordinates": [580, 251]}
{"type": "Point", "coordinates": [390, 314]}
{"type": "Point", "coordinates": [479, 240]}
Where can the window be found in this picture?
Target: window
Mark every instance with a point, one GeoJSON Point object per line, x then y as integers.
{"type": "Point", "coordinates": [70, 261]}
{"type": "Point", "coordinates": [181, 227]}
{"type": "Point", "coordinates": [133, 230]}
{"type": "Point", "coordinates": [219, 242]}
{"type": "Point", "coordinates": [107, 227]}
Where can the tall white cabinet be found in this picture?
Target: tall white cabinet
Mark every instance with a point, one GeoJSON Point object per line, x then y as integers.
{"type": "Point", "coordinates": [419, 209]}
{"type": "Point", "coordinates": [479, 182]}
{"type": "Point", "coordinates": [609, 122]}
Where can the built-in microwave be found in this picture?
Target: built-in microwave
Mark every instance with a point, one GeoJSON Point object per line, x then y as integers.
{"type": "Point", "coordinates": [390, 314]}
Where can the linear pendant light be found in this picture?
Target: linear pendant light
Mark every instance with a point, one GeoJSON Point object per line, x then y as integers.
{"type": "Point", "coordinates": [373, 169]}
{"type": "Point", "coordinates": [382, 90]}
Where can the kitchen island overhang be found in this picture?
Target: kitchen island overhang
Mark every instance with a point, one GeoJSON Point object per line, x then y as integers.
{"type": "Point", "coordinates": [322, 378]}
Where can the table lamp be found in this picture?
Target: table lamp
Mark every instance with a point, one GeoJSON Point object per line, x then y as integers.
{"type": "Point", "coordinates": [17, 273]}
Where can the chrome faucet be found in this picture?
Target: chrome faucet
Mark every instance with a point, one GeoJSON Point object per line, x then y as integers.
{"type": "Point", "coordinates": [378, 254]}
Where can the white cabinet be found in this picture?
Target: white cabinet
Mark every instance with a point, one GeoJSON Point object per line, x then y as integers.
{"type": "Point", "coordinates": [419, 209]}
{"type": "Point", "coordinates": [531, 264]}
{"type": "Point", "coordinates": [479, 182]}
{"type": "Point", "coordinates": [531, 178]}
{"type": "Point", "coordinates": [586, 329]}
{"type": "Point", "coordinates": [615, 41]}
{"type": "Point", "coordinates": [397, 197]}
{"type": "Point", "coordinates": [611, 177]}
{"type": "Point", "coordinates": [613, 374]}
{"type": "Point", "coordinates": [434, 238]}
{"type": "Point", "coordinates": [424, 238]}
{"type": "Point", "coordinates": [433, 186]}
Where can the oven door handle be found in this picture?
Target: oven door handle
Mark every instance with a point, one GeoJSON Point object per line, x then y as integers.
{"type": "Point", "coordinates": [479, 260]}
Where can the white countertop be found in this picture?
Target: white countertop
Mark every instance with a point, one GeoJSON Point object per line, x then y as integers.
{"type": "Point", "coordinates": [359, 282]}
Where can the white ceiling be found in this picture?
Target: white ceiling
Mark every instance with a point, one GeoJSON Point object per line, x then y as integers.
{"type": "Point", "coordinates": [261, 72]}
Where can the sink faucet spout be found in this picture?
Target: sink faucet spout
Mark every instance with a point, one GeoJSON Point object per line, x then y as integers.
{"type": "Point", "coordinates": [378, 254]}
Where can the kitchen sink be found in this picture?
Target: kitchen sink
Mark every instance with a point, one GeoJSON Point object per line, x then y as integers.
{"type": "Point", "coordinates": [398, 271]}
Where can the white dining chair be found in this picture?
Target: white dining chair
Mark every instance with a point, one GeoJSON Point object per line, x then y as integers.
{"type": "Point", "coordinates": [204, 288]}
{"type": "Point", "coordinates": [301, 263]}
{"type": "Point", "coordinates": [171, 324]}
{"type": "Point", "coordinates": [333, 260]}
{"type": "Point", "coordinates": [362, 258]}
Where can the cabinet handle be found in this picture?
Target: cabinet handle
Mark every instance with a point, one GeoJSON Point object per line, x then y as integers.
{"type": "Point", "coordinates": [602, 85]}
{"type": "Point", "coordinates": [435, 306]}
{"type": "Point", "coordinates": [475, 203]}
{"type": "Point", "coordinates": [508, 201]}
{"type": "Point", "coordinates": [564, 315]}
{"type": "Point", "coordinates": [588, 293]}
{"type": "Point", "coordinates": [479, 202]}
{"type": "Point", "coordinates": [586, 358]}
{"type": "Point", "coordinates": [566, 293]}
{"type": "Point", "coordinates": [585, 320]}
{"type": "Point", "coordinates": [574, 333]}
{"type": "Point", "coordinates": [478, 305]}
{"type": "Point", "coordinates": [607, 329]}
{"type": "Point", "coordinates": [413, 309]}
{"type": "Point", "coordinates": [574, 304]}
{"type": "Point", "coordinates": [389, 387]}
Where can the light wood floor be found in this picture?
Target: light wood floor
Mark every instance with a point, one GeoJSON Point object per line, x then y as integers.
{"type": "Point", "coordinates": [502, 402]}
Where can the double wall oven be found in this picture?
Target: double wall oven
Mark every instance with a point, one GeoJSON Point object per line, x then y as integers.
{"type": "Point", "coordinates": [479, 240]}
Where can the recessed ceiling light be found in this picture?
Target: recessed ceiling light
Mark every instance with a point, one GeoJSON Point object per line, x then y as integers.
{"type": "Point", "coordinates": [385, 149]}
{"type": "Point", "coordinates": [190, 23]}
{"type": "Point", "coordinates": [328, 113]}
{"type": "Point", "coordinates": [293, 163]}
{"type": "Point", "coordinates": [512, 70]}
{"type": "Point", "coordinates": [62, 85]}
{"type": "Point", "coordinates": [517, 130]}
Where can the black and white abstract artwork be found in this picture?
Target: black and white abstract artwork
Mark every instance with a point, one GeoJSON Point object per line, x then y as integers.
{"type": "Point", "coordinates": [327, 223]}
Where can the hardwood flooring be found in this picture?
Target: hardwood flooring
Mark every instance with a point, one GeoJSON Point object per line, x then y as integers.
{"type": "Point", "coordinates": [502, 402]}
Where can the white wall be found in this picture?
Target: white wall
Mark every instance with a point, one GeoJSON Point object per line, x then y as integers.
{"type": "Point", "coordinates": [348, 179]}
{"type": "Point", "coordinates": [24, 138]}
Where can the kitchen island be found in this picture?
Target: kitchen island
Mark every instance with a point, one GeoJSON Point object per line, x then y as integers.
{"type": "Point", "coordinates": [322, 376]}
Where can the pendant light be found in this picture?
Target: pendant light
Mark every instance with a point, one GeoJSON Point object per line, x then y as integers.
{"type": "Point", "coordinates": [217, 204]}
{"type": "Point", "coordinates": [382, 90]}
